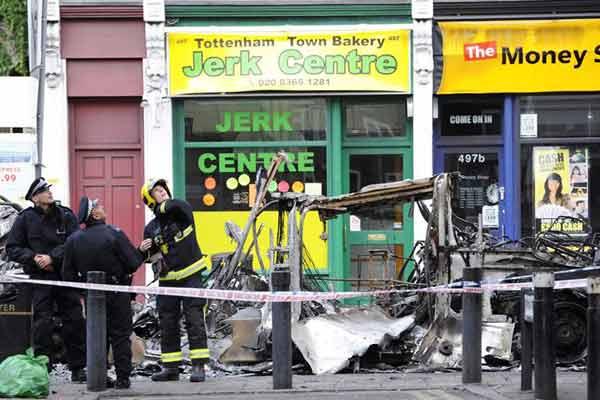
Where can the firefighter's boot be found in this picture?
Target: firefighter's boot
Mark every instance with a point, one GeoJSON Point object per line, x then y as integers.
{"type": "Point", "coordinates": [167, 374]}
{"type": "Point", "coordinates": [197, 373]}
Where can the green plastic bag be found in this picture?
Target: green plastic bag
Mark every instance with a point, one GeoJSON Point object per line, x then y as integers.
{"type": "Point", "coordinates": [24, 375]}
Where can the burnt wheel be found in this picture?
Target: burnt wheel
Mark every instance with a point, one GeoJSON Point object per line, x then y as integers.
{"type": "Point", "coordinates": [570, 324]}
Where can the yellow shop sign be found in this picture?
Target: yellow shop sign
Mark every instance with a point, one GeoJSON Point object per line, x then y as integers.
{"type": "Point", "coordinates": [520, 56]}
{"type": "Point", "coordinates": [303, 60]}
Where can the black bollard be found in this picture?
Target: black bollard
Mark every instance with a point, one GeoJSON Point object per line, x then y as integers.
{"type": "Point", "coordinates": [471, 369]}
{"type": "Point", "coordinates": [593, 332]}
{"type": "Point", "coordinates": [282, 332]}
{"type": "Point", "coordinates": [526, 338]}
{"type": "Point", "coordinates": [96, 334]}
{"type": "Point", "coordinates": [543, 331]}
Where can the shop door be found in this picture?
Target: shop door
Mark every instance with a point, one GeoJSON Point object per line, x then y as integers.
{"type": "Point", "coordinates": [114, 177]}
{"type": "Point", "coordinates": [106, 161]}
{"type": "Point", "coordinates": [481, 184]}
{"type": "Point", "coordinates": [376, 240]}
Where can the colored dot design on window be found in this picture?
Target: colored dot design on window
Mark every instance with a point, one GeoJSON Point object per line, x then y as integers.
{"type": "Point", "coordinates": [231, 183]}
{"type": "Point", "coordinates": [210, 183]}
{"type": "Point", "coordinates": [297, 187]}
{"type": "Point", "coordinates": [244, 179]}
{"type": "Point", "coordinates": [208, 200]}
{"type": "Point", "coordinates": [272, 186]}
{"type": "Point", "coordinates": [283, 186]}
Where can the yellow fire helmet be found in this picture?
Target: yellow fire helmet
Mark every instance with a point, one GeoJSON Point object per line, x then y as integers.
{"type": "Point", "coordinates": [147, 189]}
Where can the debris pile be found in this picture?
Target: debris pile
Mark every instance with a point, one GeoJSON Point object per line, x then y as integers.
{"type": "Point", "coordinates": [405, 329]}
{"type": "Point", "coordinates": [8, 215]}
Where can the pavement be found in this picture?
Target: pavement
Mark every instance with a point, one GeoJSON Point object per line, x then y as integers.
{"type": "Point", "coordinates": [400, 385]}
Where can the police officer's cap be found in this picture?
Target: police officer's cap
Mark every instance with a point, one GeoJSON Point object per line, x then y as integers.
{"type": "Point", "coordinates": [85, 209]}
{"type": "Point", "coordinates": [37, 186]}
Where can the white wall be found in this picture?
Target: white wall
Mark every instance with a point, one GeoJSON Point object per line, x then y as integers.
{"type": "Point", "coordinates": [18, 101]}
{"type": "Point", "coordinates": [422, 12]}
{"type": "Point", "coordinates": [55, 152]}
{"type": "Point", "coordinates": [158, 132]}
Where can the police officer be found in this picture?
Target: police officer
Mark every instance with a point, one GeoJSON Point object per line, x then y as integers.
{"type": "Point", "coordinates": [37, 242]}
{"type": "Point", "coordinates": [102, 247]}
{"type": "Point", "coordinates": [171, 233]}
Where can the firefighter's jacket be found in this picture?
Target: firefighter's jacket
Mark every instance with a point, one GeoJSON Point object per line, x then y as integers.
{"type": "Point", "coordinates": [38, 232]}
{"type": "Point", "coordinates": [173, 235]}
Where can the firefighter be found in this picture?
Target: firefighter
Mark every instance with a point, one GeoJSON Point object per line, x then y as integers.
{"type": "Point", "coordinates": [172, 234]}
{"type": "Point", "coordinates": [102, 247]}
{"type": "Point", "coordinates": [37, 242]}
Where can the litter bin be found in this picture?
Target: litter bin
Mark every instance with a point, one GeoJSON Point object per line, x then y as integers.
{"type": "Point", "coordinates": [15, 319]}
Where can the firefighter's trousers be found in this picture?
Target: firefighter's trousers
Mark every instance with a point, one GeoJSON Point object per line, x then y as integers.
{"type": "Point", "coordinates": [169, 312]}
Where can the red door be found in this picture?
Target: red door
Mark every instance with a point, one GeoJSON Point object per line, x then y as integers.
{"type": "Point", "coordinates": [107, 162]}
{"type": "Point", "coordinates": [113, 177]}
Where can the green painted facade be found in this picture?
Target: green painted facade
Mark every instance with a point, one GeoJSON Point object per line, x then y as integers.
{"type": "Point", "coordinates": [338, 149]}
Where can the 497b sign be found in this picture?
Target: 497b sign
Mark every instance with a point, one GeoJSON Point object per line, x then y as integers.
{"type": "Point", "coordinates": [303, 60]}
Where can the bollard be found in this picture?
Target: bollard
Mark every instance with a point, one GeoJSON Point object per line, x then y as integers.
{"type": "Point", "coordinates": [543, 331]}
{"type": "Point", "coordinates": [282, 332]}
{"type": "Point", "coordinates": [96, 335]}
{"type": "Point", "coordinates": [526, 338]}
{"type": "Point", "coordinates": [471, 370]}
{"type": "Point", "coordinates": [593, 332]}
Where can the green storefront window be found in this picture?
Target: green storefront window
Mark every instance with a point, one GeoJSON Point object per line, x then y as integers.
{"type": "Point", "coordinates": [254, 120]}
{"type": "Point", "coordinates": [223, 179]}
{"type": "Point", "coordinates": [375, 118]}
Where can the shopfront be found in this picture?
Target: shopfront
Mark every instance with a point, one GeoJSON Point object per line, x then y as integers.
{"type": "Point", "coordinates": [469, 138]}
{"type": "Point", "coordinates": [333, 97]}
{"type": "Point", "coordinates": [525, 92]}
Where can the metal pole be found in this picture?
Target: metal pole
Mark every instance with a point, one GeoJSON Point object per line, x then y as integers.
{"type": "Point", "coordinates": [593, 332]}
{"type": "Point", "coordinates": [282, 333]}
{"type": "Point", "coordinates": [471, 371]}
{"type": "Point", "coordinates": [260, 196]}
{"type": "Point", "coordinates": [96, 335]}
{"type": "Point", "coordinates": [543, 331]}
{"type": "Point", "coordinates": [41, 76]}
{"type": "Point", "coordinates": [526, 338]}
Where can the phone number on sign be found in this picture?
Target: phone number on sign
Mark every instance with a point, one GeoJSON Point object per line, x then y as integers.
{"type": "Point", "coordinates": [294, 82]}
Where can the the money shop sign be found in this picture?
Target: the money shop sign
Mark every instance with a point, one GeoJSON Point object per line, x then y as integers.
{"type": "Point", "coordinates": [367, 60]}
{"type": "Point", "coordinates": [520, 56]}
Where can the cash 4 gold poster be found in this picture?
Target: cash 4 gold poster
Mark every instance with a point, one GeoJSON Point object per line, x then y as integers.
{"type": "Point", "coordinates": [337, 59]}
{"type": "Point", "coordinates": [561, 188]}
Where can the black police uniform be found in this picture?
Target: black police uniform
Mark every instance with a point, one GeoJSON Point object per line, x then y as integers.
{"type": "Point", "coordinates": [102, 247]}
{"type": "Point", "coordinates": [172, 232]}
{"type": "Point", "coordinates": [38, 232]}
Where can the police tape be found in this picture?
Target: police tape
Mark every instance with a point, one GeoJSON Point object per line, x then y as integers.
{"type": "Point", "coordinates": [284, 297]}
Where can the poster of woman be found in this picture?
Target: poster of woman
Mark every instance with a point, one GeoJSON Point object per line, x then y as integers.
{"type": "Point", "coordinates": [560, 184]}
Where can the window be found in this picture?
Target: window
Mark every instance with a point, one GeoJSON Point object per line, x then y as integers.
{"type": "Point", "coordinates": [220, 179]}
{"type": "Point", "coordinates": [377, 117]}
{"type": "Point", "coordinates": [470, 115]}
{"type": "Point", "coordinates": [558, 181]}
{"type": "Point", "coordinates": [255, 120]}
{"type": "Point", "coordinates": [478, 183]}
{"type": "Point", "coordinates": [564, 115]}
{"type": "Point", "coordinates": [372, 169]}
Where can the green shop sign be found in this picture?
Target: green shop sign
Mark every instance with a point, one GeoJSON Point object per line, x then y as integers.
{"type": "Point", "coordinates": [259, 121]}
{"type": "Point", "coordinates": [238, 162]}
